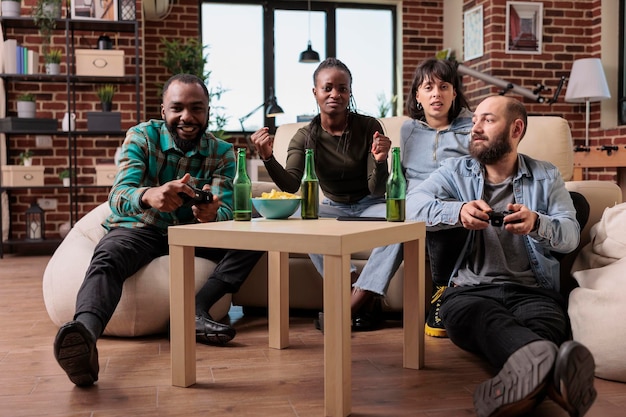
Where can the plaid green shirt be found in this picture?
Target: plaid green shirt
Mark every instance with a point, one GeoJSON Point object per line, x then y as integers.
{"type": "Point", "coordinates": [150, 158]}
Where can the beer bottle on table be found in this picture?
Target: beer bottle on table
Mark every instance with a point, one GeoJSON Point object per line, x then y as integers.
{"type": "Point", "coordinates": [242, 189]}
{"type": "Point", "coordinates": [396, 189]}
{"type": "Point", "coordinates": [309, 188]}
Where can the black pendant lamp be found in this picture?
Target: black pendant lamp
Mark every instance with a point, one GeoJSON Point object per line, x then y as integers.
{"type": "Point", "coordinates": [309, 55]}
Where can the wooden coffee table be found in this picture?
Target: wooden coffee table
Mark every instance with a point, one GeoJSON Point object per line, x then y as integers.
{"type": "Point", "coordinates": [336, 240]}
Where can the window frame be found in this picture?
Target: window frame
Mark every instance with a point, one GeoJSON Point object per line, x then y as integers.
{"type": "Point", "coordinates": [329, 7]}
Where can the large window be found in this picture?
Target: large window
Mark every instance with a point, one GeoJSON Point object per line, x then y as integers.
{"type": "Point", "coordinates": [253, 49]}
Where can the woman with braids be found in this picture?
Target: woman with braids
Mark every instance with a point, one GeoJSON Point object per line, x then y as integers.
{"type": "Point", "coordinates": [350, 160]}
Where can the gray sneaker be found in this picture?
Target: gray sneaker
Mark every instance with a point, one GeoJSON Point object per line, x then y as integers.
{"type": "Point", "coordinates": [521, 383]}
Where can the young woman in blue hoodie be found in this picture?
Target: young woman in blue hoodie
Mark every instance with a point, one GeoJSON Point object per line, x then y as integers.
{"type": "Point", "coordinates": [440, 127]}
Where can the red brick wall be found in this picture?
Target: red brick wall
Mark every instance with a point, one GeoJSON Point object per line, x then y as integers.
{"type": "Point", "coordinates": [571, 30]}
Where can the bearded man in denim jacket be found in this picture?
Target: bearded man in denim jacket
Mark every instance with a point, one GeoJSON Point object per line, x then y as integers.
{"type": "Point", "coordinates": [503, 302]}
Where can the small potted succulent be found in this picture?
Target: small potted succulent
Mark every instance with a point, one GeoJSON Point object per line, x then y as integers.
{"type": "Point", "coordinates": [52, 59]}
{"type": "Point", "coordinates": [26, 158]}
{"type": "Point", "coordinates": [65, 176]}
{"type": "Point", "coordinates": [105, 94]}
{"type": "Point", "coordinates": [26, 105]}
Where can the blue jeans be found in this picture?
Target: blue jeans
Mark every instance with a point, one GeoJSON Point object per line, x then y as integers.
{"type": "Point", "coordinates": [368, 206]}
{"type": "Point", "coordinates": [495, 320]}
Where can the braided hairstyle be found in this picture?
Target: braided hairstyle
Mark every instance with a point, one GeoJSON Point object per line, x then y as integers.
{"type": "Point", "coordinates": [446, 71]}
{"type": "Point", "coordinates": [316, 123]}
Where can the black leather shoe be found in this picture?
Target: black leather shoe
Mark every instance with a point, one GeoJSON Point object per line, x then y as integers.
{"type": "Point", "coordinates": [210, 332]}
{"type": "Point", "coordinates": [366, 322]}
{"type": "Point", "coordinates": [361, 322]}
{"type": "Point", "coordinates": [75, 350]}
{"type": "Point", "coordinates": [369, 317]}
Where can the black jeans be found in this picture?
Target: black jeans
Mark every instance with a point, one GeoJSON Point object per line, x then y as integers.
{"type": "Point", "coordinates": [444, 248]}
{"type": "Point", "coordinates": [495, 320]}
{"type": "Point", "coordinates": [123, 251]}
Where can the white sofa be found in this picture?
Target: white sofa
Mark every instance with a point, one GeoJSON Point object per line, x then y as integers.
{"type": "Point", "coordinates": [547, 137]}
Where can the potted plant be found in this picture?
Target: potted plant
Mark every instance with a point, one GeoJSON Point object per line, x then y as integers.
{"type": "Point", "coordinates": [65, 176]}
{"type": "Point", "coordinates": [26, 157]}
{"type": "Point", "coordinates": [26, 106]}
{"type": "Point", "coordinates": [11, 8]}
{"type": "Point", "coordinates": [105, 95]}
{"type": "Point", "coordinates": [45, 14]}
{"type": "Point", "coordinates": [52, 59]}
{"type": "Point", "coordinates": [189, 58]}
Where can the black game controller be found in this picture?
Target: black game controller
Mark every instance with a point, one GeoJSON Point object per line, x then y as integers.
{"type": "Point", "coordinates": [496, 218]}
{"type": "Point", "coordinates": [201, 197]}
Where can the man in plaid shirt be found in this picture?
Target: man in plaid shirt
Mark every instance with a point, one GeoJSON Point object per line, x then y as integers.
{"type": "Point", "coordinates": [160, 163]}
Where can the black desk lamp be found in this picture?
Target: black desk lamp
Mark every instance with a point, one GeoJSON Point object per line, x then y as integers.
{"type": "Point", "coordinates": [273, 109]}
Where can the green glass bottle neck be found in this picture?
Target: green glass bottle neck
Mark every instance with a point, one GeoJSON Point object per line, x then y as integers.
{"type": "Point", "coordinates": [241, 164]}
{"type": "Point", "coordinates": [309, 165]}
{"type": "Point", "coordinates": [396, 165]}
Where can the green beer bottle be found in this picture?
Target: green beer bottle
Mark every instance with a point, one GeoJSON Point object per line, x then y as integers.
{"type": "Point", "coordinates": [242, 189]}
{"type": "Point", "coordinates": [309, 188]}
{"type": "Point", "coordinates": [396, 189]}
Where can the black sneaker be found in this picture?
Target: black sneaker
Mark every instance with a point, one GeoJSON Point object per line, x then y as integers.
{"type": "Point", "coordinates": [434, 324]}
{"type": "Point", "coordinates": [573, 379]}
{"type": "Point", "coordinates": [521, 383]}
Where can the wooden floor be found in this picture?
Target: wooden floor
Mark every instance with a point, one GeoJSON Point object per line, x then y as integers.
{"type": "Point", "coordinates": [244, 379]}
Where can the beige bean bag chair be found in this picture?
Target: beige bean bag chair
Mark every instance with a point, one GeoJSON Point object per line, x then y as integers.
{"type": "Point", "coordinates": [144, 307]}
{"type": "Point", "coordinates": [598, 307]}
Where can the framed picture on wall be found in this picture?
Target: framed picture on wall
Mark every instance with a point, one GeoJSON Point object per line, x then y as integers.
{"type": "Point", "coordinates": [473, 36]}
{"type": "Point", "coordinates": [95, 9]}
{"type": "Point", "coordinates": [524, 29]}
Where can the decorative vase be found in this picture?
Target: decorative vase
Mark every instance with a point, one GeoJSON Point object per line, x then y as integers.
{"type": "Point", "coordinates": [28, 162]}
{"type": "Point", "coordinates": [11, 8]}
{"type": "Point", "coordinates": [66, 182]}
{"type": "Point", "coordinates": [69, 122]}
{"type": "Point", "coordinates": [26, 109]}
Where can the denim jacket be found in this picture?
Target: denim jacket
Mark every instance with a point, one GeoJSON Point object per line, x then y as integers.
{"type": "Point", "coordinates": [537, 185]}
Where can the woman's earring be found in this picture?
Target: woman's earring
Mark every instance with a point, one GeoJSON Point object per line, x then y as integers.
{"type": "Point", "coordinates": [419, 106]}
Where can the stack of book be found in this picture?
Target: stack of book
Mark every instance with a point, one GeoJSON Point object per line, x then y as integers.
{"type": "Point", "coordinates": [18, 59]}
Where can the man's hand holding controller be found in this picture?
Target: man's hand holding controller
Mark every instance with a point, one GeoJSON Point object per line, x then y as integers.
{"type": "Point", "coordinates": [200, 197]}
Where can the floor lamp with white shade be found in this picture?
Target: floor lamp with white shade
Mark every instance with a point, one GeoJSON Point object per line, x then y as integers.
{"type": "Point", "coordinates": [587, 83]}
